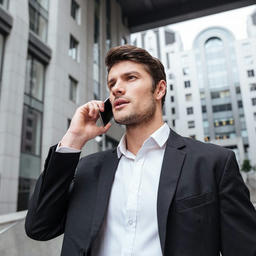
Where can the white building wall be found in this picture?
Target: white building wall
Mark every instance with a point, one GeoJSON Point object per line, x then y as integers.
{"type": "Point", "coordinates": [11, 104]}
{"type": "Point", "coordinates": [186, 60]}
{"type": "Point", "coordinates": [245, 49]}
{"type": "Point", "coordinates": [57, 106]}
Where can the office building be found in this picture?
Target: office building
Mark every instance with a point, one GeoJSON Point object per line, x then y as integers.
{"type": "Point", "coordinates": [210, 88]}
{"type": "Point", "coordinates": [52, 61]}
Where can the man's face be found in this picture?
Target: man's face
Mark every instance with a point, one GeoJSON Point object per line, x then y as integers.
{"type": "Point", "coordinates": [131, 93]}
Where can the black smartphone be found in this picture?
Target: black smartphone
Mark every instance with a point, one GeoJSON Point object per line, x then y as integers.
{"type": "Point", "coordinates": [106, 116]}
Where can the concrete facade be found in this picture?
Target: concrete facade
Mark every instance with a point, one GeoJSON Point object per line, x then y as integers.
{"type": "Point", "coordinates": [56, 107]}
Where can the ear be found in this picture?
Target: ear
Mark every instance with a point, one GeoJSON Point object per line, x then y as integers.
{"type": "Point", "coordinates": [160, 90]}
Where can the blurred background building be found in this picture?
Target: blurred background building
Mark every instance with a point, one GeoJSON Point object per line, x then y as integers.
{"type": "Point", "coordinates": [52, 61]}
{"type": "Point", "coordinates": [212, 87]}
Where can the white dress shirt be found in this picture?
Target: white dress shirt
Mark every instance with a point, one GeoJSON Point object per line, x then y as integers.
{"type": "Point", "coordinates": [130, 227]}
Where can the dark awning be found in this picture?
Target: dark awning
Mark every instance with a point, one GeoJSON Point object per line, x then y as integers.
{"type": "Point", "coordinates": [146, 14]}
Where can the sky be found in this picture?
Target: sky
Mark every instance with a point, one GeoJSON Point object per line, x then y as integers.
{"type": "Point", "coordinates": [234, 20]}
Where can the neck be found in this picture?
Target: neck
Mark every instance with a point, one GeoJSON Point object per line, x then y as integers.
{"type": "Point", "coordinates": [137, 134]}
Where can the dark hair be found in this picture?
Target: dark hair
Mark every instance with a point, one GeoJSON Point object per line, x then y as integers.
{"type": "Point", "coordinates": [132, 53]}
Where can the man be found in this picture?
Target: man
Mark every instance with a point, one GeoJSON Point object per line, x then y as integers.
{"type": "Point", "coordinates": [157, 193]}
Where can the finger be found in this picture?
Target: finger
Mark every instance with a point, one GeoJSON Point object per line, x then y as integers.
{"type": "Point", "coordinates": [100, 104]}
{"type": "Point", "coordinates": [95, 110]}
{"type": "Point", "coordinates": [104, 129]}
{"type": "Point", "coordinates": [91, 109]}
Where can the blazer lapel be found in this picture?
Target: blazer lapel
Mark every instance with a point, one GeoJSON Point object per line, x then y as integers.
{"type": "Point", "coordinates": [107, 173]}
{"type": "Point", "coordinates": [171, 169]}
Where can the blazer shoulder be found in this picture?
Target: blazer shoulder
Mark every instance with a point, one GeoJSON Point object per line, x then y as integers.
{"type": "Point", "coordinates": [207, 149]}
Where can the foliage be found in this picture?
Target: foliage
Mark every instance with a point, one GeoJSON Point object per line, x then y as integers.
{"type": "Point", "coordinates": [246, 167]}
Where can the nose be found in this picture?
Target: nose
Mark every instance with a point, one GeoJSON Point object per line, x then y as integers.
{"type": "Point", "coordinates": [118, 89]}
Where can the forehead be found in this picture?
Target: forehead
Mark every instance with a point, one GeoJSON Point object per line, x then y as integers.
{"type": "Point", "coordinates": [123, 67]}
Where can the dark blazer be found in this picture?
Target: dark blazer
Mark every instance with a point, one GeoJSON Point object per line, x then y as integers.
{"type": "Point", "coordinates": [203, 205]}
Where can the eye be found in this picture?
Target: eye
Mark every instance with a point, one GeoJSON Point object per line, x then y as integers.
{"type": "Point", "coordinates": [110, 85]}
{"type": "Point", "coordinates": [131, 77]}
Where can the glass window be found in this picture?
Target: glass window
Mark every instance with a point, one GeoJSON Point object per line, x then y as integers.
{"type": "Point", "coordinates": [253, 101]}
{"type": "Point", "coordinates": [240, 104]}
{"type": "Point", "coordinates": [244, 133]}
{"type": "Point", "coordinates": [202, 95]}
{"type": "Point", "coordinates": [4, 3]}
{"type": "Point", "coordinates": [1, 56]}
{"type": "Point", "coordinates": [223, 122]}
{"type": "Point", "coordinates": [168, 60]}
{"type": "Point", "coordinates": [38, 18]}
{"type": "Point", "coordinates": [173, 122]}
{"type": "Point", "coordinates": [171, 76]}
{"type": "Point", "coordinates": [205, 124]}
{"type": "Point", "coordinates": [43, 3]}
{"type": "Point", "coordinates": [75, 10]}
{"type": "Point", "coordinates": [222, 107]}
{"type": "Point", "coordinates": [108, 26]}
{"type": "Point", "coordinates": [171, 87]}
{"type": "Point", "coordinates": [73, 48]}
{"type": "Point", "coordinates": [246, 46]}
{"type": "Point", "coordinates": [250, 73]}
{"type": "Point", "coordinates": [204, 110]}
{"type": "Point", "coordinates": [173, 111]}
{"type": "Point", "coordinates": [31, 131]}
{"type": "Point", "coordinates": [188, 97]}
{"type": "Point", "coordinates": [248, 60]}
{"type": "Point", "coordinates": [35, 72]}
{"type": "Point", "coordinates": [185, 71]}
{"type": "Point", "coordinates": [253, 87]}
{"type": "Point", "coordinates": [169, 37]}
{"type": "Point", "coordinates": [216, 63]}
{"type": "Point", "coordinates": [187, 84]}
{"type": "Point", "coordinates": [191, 124]}
{"type": "Point", "coordinates": [215, 95]}
{"type": "Point", "coordinates": [224, 94]}
{"type": "Point", "coordinates": [190, 111]}
{"type": "Point", "coordinates": [172, 98]}
{"type": "Point", "coordinates": [72, 89]}
{"type": "Point", "coordinates": [96, 51]}
{"type": "Point", "coordinates": [254, 116]}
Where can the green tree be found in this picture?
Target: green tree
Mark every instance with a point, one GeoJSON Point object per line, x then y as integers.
{"type": "Point", "coordinates": [246, 167]}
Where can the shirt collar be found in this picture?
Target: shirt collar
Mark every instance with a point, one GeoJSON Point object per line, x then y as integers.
{"type": "Point", "coordinates": [160, 136]}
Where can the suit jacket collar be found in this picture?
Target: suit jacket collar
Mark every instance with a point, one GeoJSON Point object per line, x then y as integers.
{"type": "Point", "coordinates": [170, 173]}
{"type": "Point", "coordinates": [171, 169]}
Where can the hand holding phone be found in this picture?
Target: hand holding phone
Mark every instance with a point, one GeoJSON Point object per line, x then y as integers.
{"type": "Point", "coordinates": [83, 125]}
{"type": "Point", "coordinates": [106, 116]}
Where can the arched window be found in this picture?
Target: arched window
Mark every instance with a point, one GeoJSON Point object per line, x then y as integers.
{"type": "Point", "coordinates": [216, 62]}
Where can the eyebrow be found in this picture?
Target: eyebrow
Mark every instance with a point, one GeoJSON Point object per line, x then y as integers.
{"type": "Point", "coordinates": [125, 75]}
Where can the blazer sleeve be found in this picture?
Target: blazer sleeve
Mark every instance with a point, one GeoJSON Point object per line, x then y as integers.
{"type": "Point", "coordinates": [237, 213]}
{"type": "Point", "coordinates": [48, 205]}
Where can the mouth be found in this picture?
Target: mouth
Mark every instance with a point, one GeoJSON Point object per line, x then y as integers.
{"type": "Point", "coordinates": [120, 103]}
